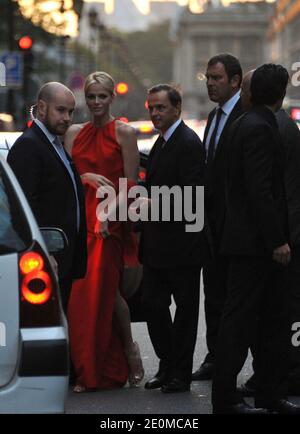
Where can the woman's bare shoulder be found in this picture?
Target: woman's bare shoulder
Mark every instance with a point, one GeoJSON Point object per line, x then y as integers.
{"type": "Point", "coordinates": [70, 135]}
{"type": "Point", "coordinates": [124, 129]}
{"type": "Point", "coordinates": [74, 129]}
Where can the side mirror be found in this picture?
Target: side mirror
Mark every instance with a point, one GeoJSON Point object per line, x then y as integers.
{"type": "Point", "coordinates": [55, 239]}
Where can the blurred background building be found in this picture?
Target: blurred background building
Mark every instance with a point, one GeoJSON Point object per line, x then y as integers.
{"type": "Point", "coordinates": [283, 36]}
{"type": "Point", "coordinates": [239, 29]}
{"type": "Point", "coordinates": [140, 43]}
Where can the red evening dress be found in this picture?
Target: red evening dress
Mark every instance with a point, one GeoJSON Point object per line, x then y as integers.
{"type": "Point", "coordinates": [96, 348]}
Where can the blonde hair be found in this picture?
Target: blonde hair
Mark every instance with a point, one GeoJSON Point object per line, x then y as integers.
{"type": "Point", "coordinates": [102, 78]}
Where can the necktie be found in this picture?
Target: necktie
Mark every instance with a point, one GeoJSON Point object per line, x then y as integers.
{"type": "Point", "coordinates": [212, 142]}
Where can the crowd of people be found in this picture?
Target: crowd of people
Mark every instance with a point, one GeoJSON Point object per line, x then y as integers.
{"type": "Point", "coordinates": [248, 249]}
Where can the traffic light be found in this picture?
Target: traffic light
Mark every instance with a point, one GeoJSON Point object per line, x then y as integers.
{"type": "Point", "coordinates": [122, 88]}
{"type": "Point", "coordinates": [25, 43]}
{"type": "Point", "coordinates": [25, 46]}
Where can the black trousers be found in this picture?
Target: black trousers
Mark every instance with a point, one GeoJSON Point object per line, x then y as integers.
{"type": "Point", "coordinates": [294, 317]}
{"type": "Point", "coordinates": [173, 340]}
{"type": "Point", "coordinates": [255, 310]}
{"type": "Point", "coordinates": [215, 273]}
{"type": "Point", "coordinates": [293, 312]}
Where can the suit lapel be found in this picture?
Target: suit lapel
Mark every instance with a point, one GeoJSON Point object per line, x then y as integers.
{"type": "Point", "coordinates": [209, 121]}
{"type": "Point", "coordinates": [150, 158]}
{"type": "Point", "coordinates": [152, 168]}
{"type": "Point", "coordinates": [235, 113]}
{"type": "Point", "coordinates": [35, 128]}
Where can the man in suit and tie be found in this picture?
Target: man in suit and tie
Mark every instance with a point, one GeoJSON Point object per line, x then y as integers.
{"type": "Point", "coordinates": [50, 180]}
{"type": "Point", "coordinates": [224, 77]}
{"type": "Point", "coordinates": [255, 239]}
{"type": "Point", "coordinates": [172, 256]}
{"type": "Point", "coordinates": [290, 136]}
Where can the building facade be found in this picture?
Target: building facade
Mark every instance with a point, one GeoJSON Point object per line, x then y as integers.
{"type": "Point", "coordinates": [284, 39]}
{"type": "Point", "coordinates": [239, 29]}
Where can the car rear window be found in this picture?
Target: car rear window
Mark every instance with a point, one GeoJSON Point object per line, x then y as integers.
{"type": "Point", "coordinates": [15, 234]}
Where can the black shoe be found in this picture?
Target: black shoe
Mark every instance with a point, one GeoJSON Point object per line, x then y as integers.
{"type": "Point", "coordinates": [156, 382]}
{"type": "Point", "coordinates": [239, 408]}
{"type": "Point", "coordinates": [175, 385]}
{"type": "Point", "coordinates": [205, 372]}
{"type": "Point", "coordinates": [281, 406]}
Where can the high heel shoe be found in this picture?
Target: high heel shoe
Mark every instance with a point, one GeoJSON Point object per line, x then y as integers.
{"type": "Point", "coordinates": [136, 370]}
{"type": "Point", "coordinates": [78, 388]}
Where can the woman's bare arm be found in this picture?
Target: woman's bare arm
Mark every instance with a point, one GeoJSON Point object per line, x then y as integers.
{"type": "Point", "coordinates": [126, 138]}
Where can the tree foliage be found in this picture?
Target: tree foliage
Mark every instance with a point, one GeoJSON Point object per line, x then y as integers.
{"type": "Point", "coordinates": [13, 25]}
{"type": "Point", "coordinates": [153, 51]}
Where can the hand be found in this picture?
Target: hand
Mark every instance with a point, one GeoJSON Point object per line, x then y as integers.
{"type": "Point", "coordinates": [95, 180]}
{"type": "Point", "coordinates": [282, 254]}
{"type": "Point", "coordinates": [101, 229]}
{"type": "Point", "coordinates": [54, 264]}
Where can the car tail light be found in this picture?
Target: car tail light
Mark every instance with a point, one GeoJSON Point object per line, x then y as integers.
{"type": "Point", "coordinates": [31, 261]}
{"type": "Point", "coordinates": [39, 303]}
{"type": "Point", "coordinates": [37, 287]}
{"type": "Point", "coordinates": [36, 284]}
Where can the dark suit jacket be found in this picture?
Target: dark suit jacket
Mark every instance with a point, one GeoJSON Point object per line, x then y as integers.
{"type": "Point", "coordinates": [256, 214]}
{"type": "Point", "coordinates": [290, 135]}
{"type": "Point", "coordinates": [215, 176]}
{"type": "Point", "coordinates": [181, 163]}
{"type": "Point", "coordinates": [50, 192]}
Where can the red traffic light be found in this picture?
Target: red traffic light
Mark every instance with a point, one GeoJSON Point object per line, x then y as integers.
{"type": "Point", "coordinates": [122, 88]}
{"type": "Point", "coordinates": [25, 43]}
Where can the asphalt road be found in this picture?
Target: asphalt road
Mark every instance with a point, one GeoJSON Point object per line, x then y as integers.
{"type": "Point", "coordinates": [140, 401]}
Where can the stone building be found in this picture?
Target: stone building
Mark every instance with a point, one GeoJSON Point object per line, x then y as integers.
{"type": "Point", "coordinates": [239, 29]}
{"type": "Point", "coordinates": [284, 39]}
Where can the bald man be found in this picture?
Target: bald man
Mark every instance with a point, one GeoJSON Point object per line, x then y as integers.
{"type": "Point", "coordinates": [50, 181]}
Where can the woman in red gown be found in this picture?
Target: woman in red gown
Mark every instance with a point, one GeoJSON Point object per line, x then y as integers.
{"type": "Point", "coordinates": [103, 150]}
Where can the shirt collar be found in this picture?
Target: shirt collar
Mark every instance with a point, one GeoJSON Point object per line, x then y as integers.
{"type": "Point", "coordinates": [171, 130]}
{"type": "Point", "coordinates": [51, 137]}
{"type": "Point", "coordinates": [229, 105]}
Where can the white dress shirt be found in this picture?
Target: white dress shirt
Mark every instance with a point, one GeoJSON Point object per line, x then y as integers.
{"type": "Point", "coordinates": [227, 109]}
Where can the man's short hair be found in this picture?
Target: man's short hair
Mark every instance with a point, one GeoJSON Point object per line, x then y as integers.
{"type": "Point", "coordinates": [173, 93]}
{"type": "Point", "coordinates": [268, 84]}
{"type": "Point", "coordinates": [231, 65]}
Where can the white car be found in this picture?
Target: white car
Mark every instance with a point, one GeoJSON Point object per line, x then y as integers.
{"type": "Point", "coordinates": [7, 140]}
{"type": "Point", "coordinates": [33, 332]}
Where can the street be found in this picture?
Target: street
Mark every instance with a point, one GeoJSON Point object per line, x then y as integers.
{"type": "Point", "coordinates": [140, 401]}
